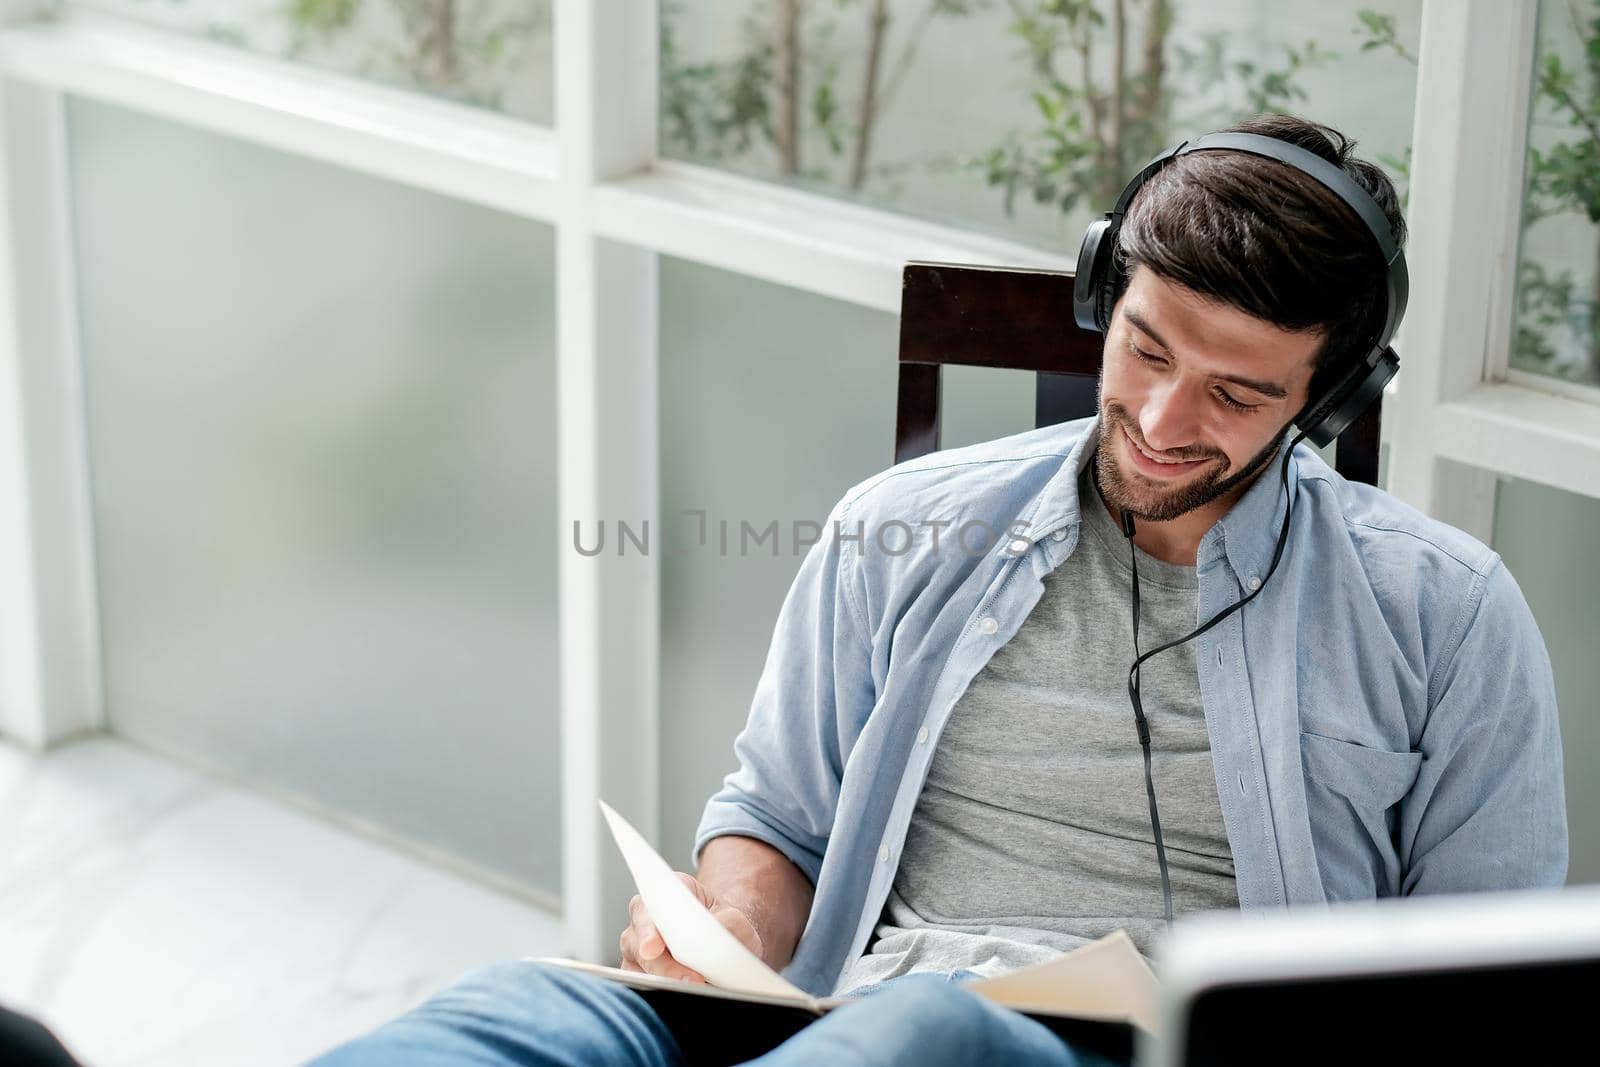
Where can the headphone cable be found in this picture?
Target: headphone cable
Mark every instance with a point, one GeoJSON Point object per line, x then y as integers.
{"type": "Point", "coordinates": [1140, 722]}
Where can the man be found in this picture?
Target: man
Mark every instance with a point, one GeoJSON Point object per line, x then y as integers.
{"type": "Point", "coordinates": [946, 771]}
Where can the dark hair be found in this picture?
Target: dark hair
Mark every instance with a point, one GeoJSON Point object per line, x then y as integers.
{"type": "Point", "coordinates": [1262, 237]}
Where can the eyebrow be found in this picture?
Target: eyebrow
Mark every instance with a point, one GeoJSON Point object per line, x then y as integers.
{"type": "Point", "coordinates": [1270, 389]}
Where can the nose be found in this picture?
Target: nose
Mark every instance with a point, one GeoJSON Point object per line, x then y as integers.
{"type": "Point", "coordinates": [1169, 419]}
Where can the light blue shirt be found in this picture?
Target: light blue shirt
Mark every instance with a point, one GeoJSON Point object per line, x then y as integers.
{"type": "Point", "coordinates": [1382, 717]}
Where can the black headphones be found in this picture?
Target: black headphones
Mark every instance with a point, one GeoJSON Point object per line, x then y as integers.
{"type": "Point", "coordinates": [1326, 416]}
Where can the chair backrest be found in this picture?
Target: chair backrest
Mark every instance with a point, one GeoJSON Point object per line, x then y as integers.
{"type": "Point", "coordinates": [1022, 320]}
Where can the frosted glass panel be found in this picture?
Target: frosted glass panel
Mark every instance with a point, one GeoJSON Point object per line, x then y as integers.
{"type": "Point", "coordinates": [1550, 539]}
{"type": "Point", "coordinates": [982, 403]}
{"type": "Point", "coordinates": [773, 403]}
{"type": "Point", "coordinates": [322, 438]}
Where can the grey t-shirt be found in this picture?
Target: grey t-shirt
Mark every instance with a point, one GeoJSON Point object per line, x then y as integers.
{"type": "Point", "coordinates": [1032, 833]}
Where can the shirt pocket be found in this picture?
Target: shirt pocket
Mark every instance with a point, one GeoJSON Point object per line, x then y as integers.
{"type": "Point", "coordinates": [1352, 793]}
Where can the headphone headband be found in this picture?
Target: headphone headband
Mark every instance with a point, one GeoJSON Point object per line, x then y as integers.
{"type": "Point", "coordinates": [1307, 162]}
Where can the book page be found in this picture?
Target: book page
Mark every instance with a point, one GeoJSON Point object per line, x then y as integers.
{"type": "Point", "coordinates": [693, 936]}
{"type": "Point", "coordinates": [638, 980]}
{"type": "Point", "coordinates": [1105, 979]}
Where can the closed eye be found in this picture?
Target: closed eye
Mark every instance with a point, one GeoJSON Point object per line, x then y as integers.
{"type": "Point", "coordinates": [1236, 405]}
{"type": "Point", "coordinates": [1227, 399]}
{"type": "Point", "coordinates": [1148, 357]}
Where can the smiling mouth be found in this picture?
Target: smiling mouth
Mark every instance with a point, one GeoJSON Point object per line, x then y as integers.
{"type": "Point", "coordinates": [1154, 463]}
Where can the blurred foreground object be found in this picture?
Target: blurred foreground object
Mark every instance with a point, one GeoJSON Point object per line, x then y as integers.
{"type": "Point", "coordinates": [27, 1043]}
{"type": "Point", "coordinates": [1398, 980]}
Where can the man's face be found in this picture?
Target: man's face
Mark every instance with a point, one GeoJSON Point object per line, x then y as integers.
{"type": "Point", "coordinates": [1194, 397]}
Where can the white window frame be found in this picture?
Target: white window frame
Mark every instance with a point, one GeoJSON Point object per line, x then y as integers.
{"type": "Point", "coordinates": [1457, 421]}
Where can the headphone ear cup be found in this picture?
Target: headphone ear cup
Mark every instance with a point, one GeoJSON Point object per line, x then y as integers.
{"type": "Point", "coordinates": [1110, 284]}
{"type": "Point", "coordinates": [1332, 413]}
{"type": "Point", "coordinates": [1094, 256]}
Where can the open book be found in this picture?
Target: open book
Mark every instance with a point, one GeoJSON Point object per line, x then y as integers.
{"type": "Point", "coordinates": [1104, 982]}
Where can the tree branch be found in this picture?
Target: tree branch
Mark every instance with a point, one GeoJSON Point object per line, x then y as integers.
{"type": "Point", "coordinates": [1119, 61]}
{"type": "Point", "coordinates": [879, 22]}
{"type": "Point", "coordinates": [1565, 98]}
{"type": "Point", "coordinates": [1153, 70]}
{"type": "Point", "coordinates": [788, 131]}
{"type": "Point", "coordinates": [1044, 60]}
{"type": "Point", "coordinates": [1095, 104]}
{"type": "Point", "coordinates": [907, 56]}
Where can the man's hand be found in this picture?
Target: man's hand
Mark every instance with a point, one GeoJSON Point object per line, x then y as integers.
{"type": "Point", "coordinates": [644, 950]}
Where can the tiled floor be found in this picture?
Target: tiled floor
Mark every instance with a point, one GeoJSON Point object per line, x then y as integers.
{"type": "Point", "coordinates": [154, 916]}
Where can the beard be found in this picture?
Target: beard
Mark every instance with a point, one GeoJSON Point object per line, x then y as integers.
{"type": "Point", "coordinates": [1133, 492]}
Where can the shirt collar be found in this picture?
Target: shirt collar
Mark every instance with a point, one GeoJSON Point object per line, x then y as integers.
{"type": "Point", "coordinates": [1246, 535]}
{"type": "Point", "coordinates": [1058, 504]}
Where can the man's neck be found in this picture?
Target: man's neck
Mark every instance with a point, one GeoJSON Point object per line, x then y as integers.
{"type": "Point", "coordinates": [1178, 540]}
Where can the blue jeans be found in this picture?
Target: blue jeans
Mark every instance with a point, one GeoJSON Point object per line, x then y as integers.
{"type": "Point", "coordinates": [526, 1014]}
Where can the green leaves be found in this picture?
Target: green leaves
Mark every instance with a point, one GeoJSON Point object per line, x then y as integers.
{"type": "Point", "coordinates": [1558, 330]}
{"type": "Point", "coordinates": [1381, 33]}
{"type": "Point", "coordinates": [1399, 168]}
{"type": "Point", "coordinates": [828, 117]}
{"type": "Point", "coordinates": [440, 46]}
{"type": "Point", "coordinates": [712, 110]}
{"type": "Point", "coordinates": [1275, 90]}
{"type": "Point", "coordinates": [1565, 176]}
{"type": "Point", "coordinates": [1555, 80]}
{"type": "Point", "coordinates": [317, 20]}
{"type": "Point", "coordinates": [1377, 25]}
{"type": "Point", "coordinates": [321, 16]}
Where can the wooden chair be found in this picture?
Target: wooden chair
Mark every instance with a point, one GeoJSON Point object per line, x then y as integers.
{"type": "Point", "coordinates": [1022, 320]}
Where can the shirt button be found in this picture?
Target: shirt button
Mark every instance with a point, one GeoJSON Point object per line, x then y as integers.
{"type": "Point", "coordinates": [883, 854]}
{"type": "Point", "coordinates": [988, 625]}
{"type": "Point", "coordinates": [1059, 535]}
{"type": "Point", "coordinates": [922, 736]}
{"type": "Point", "coordinates": [1253, 582]}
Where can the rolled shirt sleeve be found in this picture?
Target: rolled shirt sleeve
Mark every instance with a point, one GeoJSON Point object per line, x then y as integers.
{"type": "Point", "coordinates": [815, 691]}
{"type": "Point", "coordinates": [1488, 810]}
